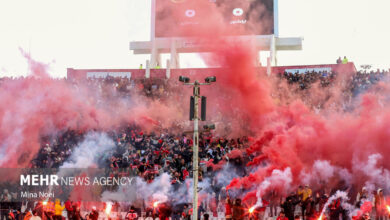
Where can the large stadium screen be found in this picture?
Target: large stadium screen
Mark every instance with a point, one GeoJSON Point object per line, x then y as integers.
{"type": "Point", "coordinates": [187, 18]}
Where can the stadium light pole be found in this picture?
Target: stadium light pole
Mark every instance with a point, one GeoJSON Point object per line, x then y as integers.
{"type": "Point", "coordinates": [194, 115]}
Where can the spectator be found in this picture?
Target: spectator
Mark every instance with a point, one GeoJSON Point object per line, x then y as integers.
{"type": "Point", "coordinates": [361, 197]}
{"type": "Point", "coordinates": [187, 212]}
{"type": "Point", "coordinates": [365, 216]}
{"type": "Point", "coordinates": [273, 203]}
{"type": "Point", "coordinates": [335, 210]}
{"type": "Point", "coordinates": [281, 216]}
{"type": "Point", "coordinates": [380, 206]}
{"type": "Point", "coordinates": [158, 65]}
{"type": "Point", "coordinates": [48, 209]}
{"type": "Point", "coordinates": [289, 206]}
{"type": "Point", "coordinates": [27, 215]}
{"type": "Point", "coordinates": [76, 213]}
{"type": "Point", "coordinates": [228, 209]}
{"type": "Point", "coordinates": [132, 214]}
{"type": "Point", "coordinates": [39, 210]}
{"type": "Point", "coordinates": [69, 209]}
{"type": "Point", "coordinates": [345, 60]}
{"type": "Point", "coordinates": [310, 205]}
{"type": "Point", "coordinates": [238, 210]}
{"type": "Point", "coordinates": [58, 210]}
{"type": "Point", "coordinates": [304, 194]}
{"type": "Point", "coordinates": [94, 215]}
{"type": "Point", "coordinates": [5, 202]}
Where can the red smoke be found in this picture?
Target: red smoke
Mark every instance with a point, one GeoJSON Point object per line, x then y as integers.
{"type": "Point", "coordinates": [303, 137]}
{"type": "Point", "coordinates": [366, 207]}
{"type": "Point", "coordinates": [289, 135]}
{"type": "Point", "coordinates": [241, 94]}
{"type": "Point", "coordinates": [38, 106]}
{"type": "Point", "coordinates": [292, 135]}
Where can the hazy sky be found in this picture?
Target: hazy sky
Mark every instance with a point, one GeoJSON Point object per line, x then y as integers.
{"type": "Point", "coordinates": [96, 33]}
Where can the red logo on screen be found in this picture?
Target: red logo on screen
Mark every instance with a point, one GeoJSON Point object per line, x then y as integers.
{"type": "Point", "coordinates": [190, 13]}
{"type": "Point", "coordinates": [238, 12]}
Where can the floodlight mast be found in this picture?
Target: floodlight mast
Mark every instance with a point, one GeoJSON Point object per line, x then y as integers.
{"type": "Point", "coordinates": [195, 158]}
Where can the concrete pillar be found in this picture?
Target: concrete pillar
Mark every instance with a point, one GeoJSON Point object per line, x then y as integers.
{"type": "Point", "coordinates": [269, 66]}
{"type": "Point", "coordinates": [175, 61]}
{"type": "Point", "coordinates": [168, 70]}
{"type": "Point", "coordinates": [273, 51]}
{"type": "Point", "coordinates": [258, 59]}
{"type": "Point", "coordinates": [147, 70]}
{"type": "Point", "coordinates": [155, 56]}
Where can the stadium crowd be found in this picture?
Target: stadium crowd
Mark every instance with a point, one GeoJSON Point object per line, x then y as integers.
{"type": "Point", "coordinates": [148, 155]}
{"type": "Point", "coordinates": [358, 82]}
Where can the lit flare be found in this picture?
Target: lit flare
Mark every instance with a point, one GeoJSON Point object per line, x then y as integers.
{"type": "Point", "coordinates": [108, 208]}
{"type": "Point", "coordinates": [155, 204]}
{"type": "Point", "coordinates": [251, 210]}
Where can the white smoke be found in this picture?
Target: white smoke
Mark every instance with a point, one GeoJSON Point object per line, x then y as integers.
{"type": "Point", "coordinates": [124, 193]}
{"type": "Point", "coordinates": [225, 175]}
{"type": "Point", "coordinates": [158, 190]}
{"type": "Point", "coordinates": [377, 175]}
{"type": "Point", "coordinates": [322, 171]}
{"type": "Point", "coordinates": [338, 195]}
{"type": "Point", "coordinates": [280, 179]}
{"type": "Point", "coordinates": [87, 153]}
{"type": "Point", "coordinates": [138, 189]}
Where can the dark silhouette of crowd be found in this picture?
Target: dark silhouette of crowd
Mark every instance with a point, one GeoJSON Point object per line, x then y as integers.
{"type": "Point", "coordinates": [358, 82]}
{"type": "Point", "coordinates": [304, 80]}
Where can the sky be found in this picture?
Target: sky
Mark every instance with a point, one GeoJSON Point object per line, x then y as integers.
{"type": "Point", "coordinates": [96, 33]}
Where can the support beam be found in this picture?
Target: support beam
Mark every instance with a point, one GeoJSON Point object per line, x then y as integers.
{"type": "Point", "coordinates": [168, 70]}
{"type": "Point", "coordinates": [263, 43]}
{"type": "Point", "coordinates": [175, 62]}
{"type": "Point", "coordinates": [175, 46]}
{"type": "Point", "coordinates": [155, 57]}
{"type": "Point", "coordinates": [276, 18]}
{"type": "Point", "coordinates": [147, 71]}
{"type": "Point", "coordinates": [269, 66]}
{"type": "Point", "coordinates": [273, 51]}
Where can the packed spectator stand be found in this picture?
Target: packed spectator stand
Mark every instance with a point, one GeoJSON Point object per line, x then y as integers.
{"type": "Point", "coordinates": [148, 155]}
